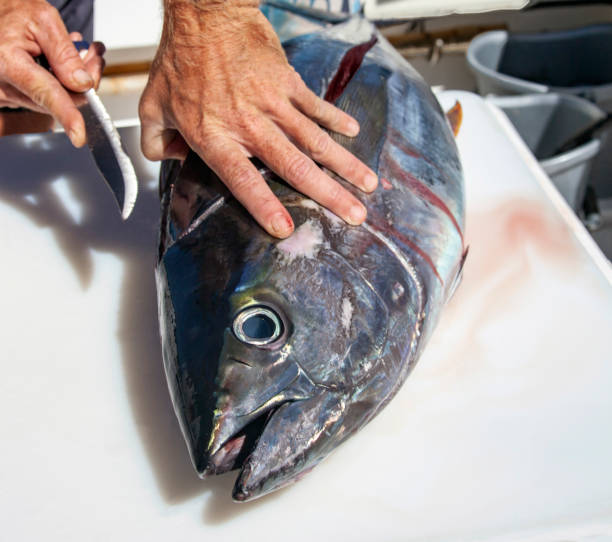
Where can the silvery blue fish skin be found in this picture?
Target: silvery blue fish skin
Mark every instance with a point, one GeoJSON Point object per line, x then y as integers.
{"type": "Point", "coordinates": [277, 351]}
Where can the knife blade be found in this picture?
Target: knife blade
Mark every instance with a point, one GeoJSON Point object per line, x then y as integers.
{"type": "Point", "coordinates": [108, 153]}
{"type": "Point", "coordinates": [105, 145]}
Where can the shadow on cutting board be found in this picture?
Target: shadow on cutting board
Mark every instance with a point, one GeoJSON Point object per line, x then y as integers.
{"type": "Point", "coordinates": [71, 200]}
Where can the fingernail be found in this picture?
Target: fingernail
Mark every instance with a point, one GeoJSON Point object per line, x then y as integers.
{"type": "Point", "coordinates": [76, 137]}
{"type": "Point", "coordinates": [281, 226]}
{"type": "Point", "coordinates": [82, 77]}
{"type": "Point", "coordinates": [371, 182]}
{"type": "Point", "coordinates": [353, 128]}
{"type": "Point", "coordinates": [357, 215]}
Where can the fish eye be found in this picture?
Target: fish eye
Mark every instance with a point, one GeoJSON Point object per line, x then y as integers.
{"type": "Point", "coordinates": [258, 326]}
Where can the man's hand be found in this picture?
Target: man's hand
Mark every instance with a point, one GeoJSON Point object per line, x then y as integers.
{"type": "Point", "coordinates": [221, 85]}
{"type": "Point", "coordinates": [29, 28]}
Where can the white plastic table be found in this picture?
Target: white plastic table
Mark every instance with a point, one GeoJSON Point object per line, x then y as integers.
{"type": "Point", "coordinates": [502, 432]}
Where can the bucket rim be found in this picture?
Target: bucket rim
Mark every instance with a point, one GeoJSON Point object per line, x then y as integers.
{"type": "Point", "coordinates": [570, 159]}
{"type": "Point", "coordinates": [523, 86]}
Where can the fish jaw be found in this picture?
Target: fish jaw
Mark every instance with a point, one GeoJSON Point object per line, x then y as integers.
{"type": "Point", "coordinates": [240, 415]}
{"type": "Point", "coordinates": [296, 438]}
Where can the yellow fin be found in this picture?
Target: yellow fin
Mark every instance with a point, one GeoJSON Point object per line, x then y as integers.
{"type": "Point", "coordinates": [455, 117]}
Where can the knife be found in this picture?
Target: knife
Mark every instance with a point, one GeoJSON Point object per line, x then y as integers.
{"type": "Point", "coordinates": [105, 145]}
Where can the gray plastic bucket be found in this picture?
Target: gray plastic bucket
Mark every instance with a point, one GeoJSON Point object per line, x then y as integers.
{"type": "Point", "coordinates": [486, 52]}
{"type": "Point", "coordinates": [546, 122]}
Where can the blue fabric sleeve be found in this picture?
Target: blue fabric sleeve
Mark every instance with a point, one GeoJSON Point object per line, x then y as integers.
{"type": "Point", "coordinates": [77, 15]}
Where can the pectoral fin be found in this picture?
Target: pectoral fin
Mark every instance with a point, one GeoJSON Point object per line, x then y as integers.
{"type": "Point", "coordinates": [458, 274]}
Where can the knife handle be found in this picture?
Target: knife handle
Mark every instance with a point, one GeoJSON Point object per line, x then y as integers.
{"type": "Point", "coordinates": [81, 45]}
{"type": "Point", "coordinates": [42, 61]}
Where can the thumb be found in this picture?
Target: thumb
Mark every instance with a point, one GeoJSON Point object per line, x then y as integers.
{"type": "Point", "coordinates": [63, 58]}
{"type": "Point", "coordinates": [159, 143]}
{"type": "Point", "coordinates": [158, 139]}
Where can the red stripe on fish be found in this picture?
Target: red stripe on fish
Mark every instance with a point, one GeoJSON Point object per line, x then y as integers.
{"type": "Point", "coordinates": [375, 222]}
{"type": "Point", "coordinates": [348, 67]}
{"type": "Point", "coordinates": [400, 142]}
{"type": "Point", "coordinates": [420, 252]}
{"type": "Point", "coordinates": [422, 190]}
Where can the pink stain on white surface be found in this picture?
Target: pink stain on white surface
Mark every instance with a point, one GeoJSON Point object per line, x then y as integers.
{"type": "Point", "coordinates": [507, 311]}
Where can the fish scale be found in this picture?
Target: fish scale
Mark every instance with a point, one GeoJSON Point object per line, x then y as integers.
{"type": "Point", "coordinates": [353, 306]}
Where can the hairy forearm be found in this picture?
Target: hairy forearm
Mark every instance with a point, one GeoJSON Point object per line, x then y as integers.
{"type": "Point", "coordinates": [173, 8]}
{"type": "Point", "coordinates": [186, 18]}
{"type": "Point", "coordinates": [208, 4]}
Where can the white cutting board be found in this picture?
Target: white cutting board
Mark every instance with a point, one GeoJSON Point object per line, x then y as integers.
{"type": "Point", "coordinates": [503, 431]}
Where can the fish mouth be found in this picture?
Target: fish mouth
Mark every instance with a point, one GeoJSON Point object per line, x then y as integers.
{"type": "Point", "coordinates": [236, 434]}
{"type": "Point", "coordinates": [235, 451]}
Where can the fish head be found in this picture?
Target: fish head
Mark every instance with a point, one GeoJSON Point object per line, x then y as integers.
{"type": "Point", "coordinates": [304, 333]}
{"type": "Point", "coordinates": [285, 334]}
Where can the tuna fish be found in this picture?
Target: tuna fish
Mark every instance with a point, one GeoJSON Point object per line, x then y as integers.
{"type": "Point", "coordinates": [277, 351]}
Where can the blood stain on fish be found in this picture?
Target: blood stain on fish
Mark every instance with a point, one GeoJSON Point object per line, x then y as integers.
{"type": "Point", "coordinates": [348, 67]}
{"type": "Point", "coordinates": [385, 183]}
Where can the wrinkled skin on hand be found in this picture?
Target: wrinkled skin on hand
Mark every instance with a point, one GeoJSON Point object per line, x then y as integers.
{"type": "Point", "coordinates": [221, 85]}
{"type": "Point", "coordinates": [29, 28]}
